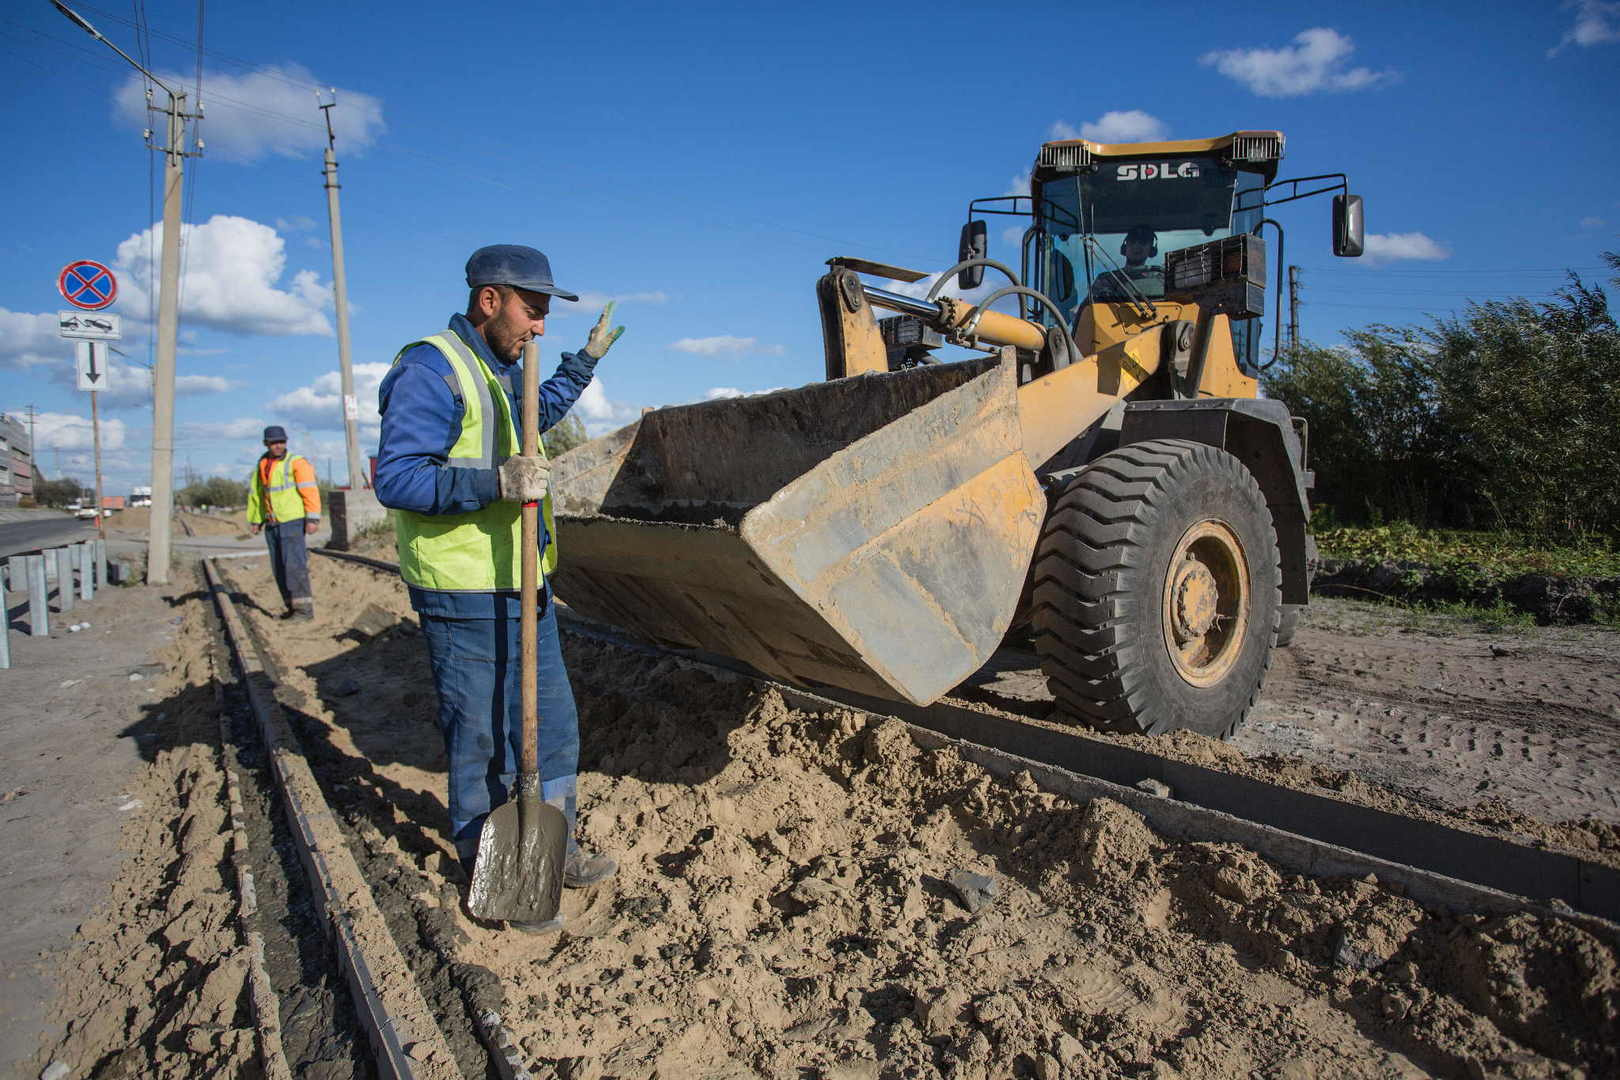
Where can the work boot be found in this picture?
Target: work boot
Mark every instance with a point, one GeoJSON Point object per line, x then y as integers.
{"type": "Point", "coordinates": [303, 610]}
{"type": "Point", "coordinates": [581, 869]}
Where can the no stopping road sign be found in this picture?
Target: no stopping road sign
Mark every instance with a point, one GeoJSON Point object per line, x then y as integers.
{"type": "Point", "coordinates": [87, 284]}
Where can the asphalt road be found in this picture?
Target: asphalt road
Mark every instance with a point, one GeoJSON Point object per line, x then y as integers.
{"type": "Point", "coordinates": [19, 536]}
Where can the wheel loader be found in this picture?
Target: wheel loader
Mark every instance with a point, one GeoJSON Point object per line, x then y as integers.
{"type": "Point", "coordinates": [1099, 471]}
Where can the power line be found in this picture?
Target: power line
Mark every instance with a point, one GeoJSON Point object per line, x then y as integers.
{"type": "Point", "coordinates": [187, 43]}
{"type": "Point", "coordinates": [1514, 270]}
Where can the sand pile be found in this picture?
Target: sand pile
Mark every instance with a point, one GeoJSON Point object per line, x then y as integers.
{"type": "Point", "coordinates": [812, 894]}
{"type": "Point", "coordinates": [796, 895]}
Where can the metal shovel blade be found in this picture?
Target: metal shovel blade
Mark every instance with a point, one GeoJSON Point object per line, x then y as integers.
{"type": "Point", "coordinates": [519, 872]}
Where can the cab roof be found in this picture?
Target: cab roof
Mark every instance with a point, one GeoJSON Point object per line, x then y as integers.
{"type": "Point", "coordinates": [1260, 150]}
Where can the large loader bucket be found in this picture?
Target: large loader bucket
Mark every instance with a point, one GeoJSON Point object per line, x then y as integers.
{"type": "Point", "coordinates": [871, 532]}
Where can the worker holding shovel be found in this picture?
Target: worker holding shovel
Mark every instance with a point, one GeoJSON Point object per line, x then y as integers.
{"type": "Point", "coordinates": [472, 515]}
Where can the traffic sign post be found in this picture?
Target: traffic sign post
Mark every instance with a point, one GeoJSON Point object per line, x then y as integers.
{"type": "Point", "coordinates": [87, 284]}
{"type": "Point", "coordinates": [92, 364]}
{"type": "Point", "coordinates": [95, 431]}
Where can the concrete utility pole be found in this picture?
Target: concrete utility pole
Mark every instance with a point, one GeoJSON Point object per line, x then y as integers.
{"type": "Point", "coordinates": [340, 303]}
{"type": "Point", "coordinates": [1293, 311]}
{"type": "Point", "coordinates": [174, 156]}
{"type": "Point", "coordinates": [95, 430]}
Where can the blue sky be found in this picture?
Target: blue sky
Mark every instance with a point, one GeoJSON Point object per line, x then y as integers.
{"type": "Point", "coordinates": [700, 162]}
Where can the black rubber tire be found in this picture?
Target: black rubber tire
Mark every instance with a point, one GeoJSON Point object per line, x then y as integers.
{"type": "Point", "coordinates": [1101, 573]}
{"type": "Point", "coordinates": [1288, 625]}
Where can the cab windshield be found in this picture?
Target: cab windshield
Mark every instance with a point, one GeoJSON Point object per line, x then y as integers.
{"type": "Point", "coordinates": [1103, 235]}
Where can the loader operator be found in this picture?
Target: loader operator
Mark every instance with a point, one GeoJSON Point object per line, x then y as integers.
{"type": "Point", "coordinates": [284, 502]}
{"type": "Point", "coordinates": [1141, 243]}
{"type": "Point", "coordinates": [449, 466]}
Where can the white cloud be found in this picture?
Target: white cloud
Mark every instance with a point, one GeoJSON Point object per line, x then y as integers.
{"type": "Point", "coordinates": [27, 340]}
{"type": "Point", "coordinates": [268, 111]}
{"type": "Point", "coordinates": [295, 224]}
{"type": "Point", "coordinates": [600, 413]}
{"type": "Point", "coordinates": [599, 300]}
{"type": "Point", "coordinates": [319, 404]}
{"type": "Point", "coordinates": [722, 393]}
{"type": "Point", "coordinates": [1318, 60]}
{"type": "Point", "coordinates": [1019, 185]}
{"type": "Point", "coordinates": [1592, 222]}
{"type": "Point", "coordinates": [725, 343]}
{"type": "Point", "coordinates": [591, 303]}
{"type": "Point", "coordinates": [129, 385]}
{"type": "Point", "coordinates": [201, 384]}
{"type": "Point", "coordinates": [64, 431]}
{"type": "Point", "coordinates": [1122, 125]}
{"type": "Point", "coordinates": [1389, 247]}
{"type": "Point", "coordinates": [1596, 23]}
{"type": "Point", "coordinates": [231, 269]}
{"type": "Point", "coordinates": [245, 427]}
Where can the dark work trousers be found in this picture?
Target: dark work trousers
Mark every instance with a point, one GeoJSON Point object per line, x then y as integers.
{"type": "Point", "coordinates": [477, 670]}
{"type": "Point", "coordinates": [289, 559]}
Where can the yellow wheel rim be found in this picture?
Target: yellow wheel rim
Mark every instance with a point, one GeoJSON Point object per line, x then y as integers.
{"type": "Point", "coordinates": [1205, 604]}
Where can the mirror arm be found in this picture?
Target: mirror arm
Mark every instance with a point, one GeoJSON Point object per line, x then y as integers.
{"type": "Point", "coordinates": [1342, 187]}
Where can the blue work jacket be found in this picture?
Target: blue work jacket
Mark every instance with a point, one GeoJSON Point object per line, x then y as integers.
{"type": "Point", "coordinates": [421, 420]}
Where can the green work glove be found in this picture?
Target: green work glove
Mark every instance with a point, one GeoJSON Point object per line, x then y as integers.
{"type": "Point", "coordinates": [602, 338]}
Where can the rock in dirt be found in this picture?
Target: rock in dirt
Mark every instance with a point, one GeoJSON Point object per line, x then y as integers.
{"type": "Point", "coordinates": [1157, 788]}
{"type": "Point", "coordinates": [974, 890]}
{"type": "Point", "coordinates": [55, 1071]}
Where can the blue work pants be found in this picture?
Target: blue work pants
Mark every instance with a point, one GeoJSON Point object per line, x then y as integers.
{"type": "Point", "coordinates": [289, 558]}
{"type": "Point", "coordinates": [477, 671]}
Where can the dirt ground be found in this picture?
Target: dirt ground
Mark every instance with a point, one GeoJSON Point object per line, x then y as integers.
{"type": "Point", "coordinates": [150, 984]}
{"type": "Point", "coordinates": [796, 893]}
{"type": "Point", "coordinates": [139, 519]}
{"type": "Point", "coordinates": [786, 903]}
{"type": "Point", "coordinates": [1513, 732]}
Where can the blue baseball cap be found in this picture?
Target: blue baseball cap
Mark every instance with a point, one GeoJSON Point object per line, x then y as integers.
{"type": "Point", "coordinates": [515, 265]}
{"type": "Point", "coordinates": [275, 433]}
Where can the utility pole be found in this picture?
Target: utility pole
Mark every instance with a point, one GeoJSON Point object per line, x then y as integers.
{"type": "Point", "coordinates": [174, 155]}
{"type": "Point", "coordinates": [1293, 311]}
{"type": "Point", "coordinates": [95, 428]}
{"type": "Point", "coordinates": [340, 303]}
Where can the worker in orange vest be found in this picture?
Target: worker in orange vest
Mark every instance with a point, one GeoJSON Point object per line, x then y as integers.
{"type": "Point", "coordinates": [285, 503]}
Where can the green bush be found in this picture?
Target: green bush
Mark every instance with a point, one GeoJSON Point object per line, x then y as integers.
{"type": "Point", "coordinates": [1503, 417]}
{"type": "Point", "coordinates": [215, 491]}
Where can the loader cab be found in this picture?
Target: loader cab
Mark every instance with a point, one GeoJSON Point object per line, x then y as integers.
{"type": "Point", "coordinates": [1105, 217]}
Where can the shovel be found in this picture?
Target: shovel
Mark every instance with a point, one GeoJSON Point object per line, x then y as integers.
{"type": "Point", "coordinates": [518, 875]}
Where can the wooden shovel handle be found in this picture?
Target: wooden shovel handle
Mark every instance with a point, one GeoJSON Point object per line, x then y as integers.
{"type": "Point", "coordinates": [529, 587]}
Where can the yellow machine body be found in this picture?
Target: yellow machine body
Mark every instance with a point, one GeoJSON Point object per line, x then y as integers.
{"type": "Point", "coordinates": [873, 531]}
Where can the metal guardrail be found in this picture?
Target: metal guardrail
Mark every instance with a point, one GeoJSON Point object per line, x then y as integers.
{"type": "Point", "coordinates": [77, 569]}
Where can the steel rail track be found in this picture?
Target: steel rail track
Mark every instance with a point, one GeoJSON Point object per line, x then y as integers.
{"type": "Point", "coordinates": [405, 1038]}
{"type": "Point", "coordinates": [1306, 832]}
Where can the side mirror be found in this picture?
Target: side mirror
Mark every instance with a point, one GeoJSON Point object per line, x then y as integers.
{"type": "Point", "coordinates": [975, 244]}
{"type": "Point", "coordinates": [1349, 240]}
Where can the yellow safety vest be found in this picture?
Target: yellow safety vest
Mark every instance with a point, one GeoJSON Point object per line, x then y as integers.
{"type": "Point", "coordinates": [286, 504]}
{"type": "Point", "coordinates": [477, 551]}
